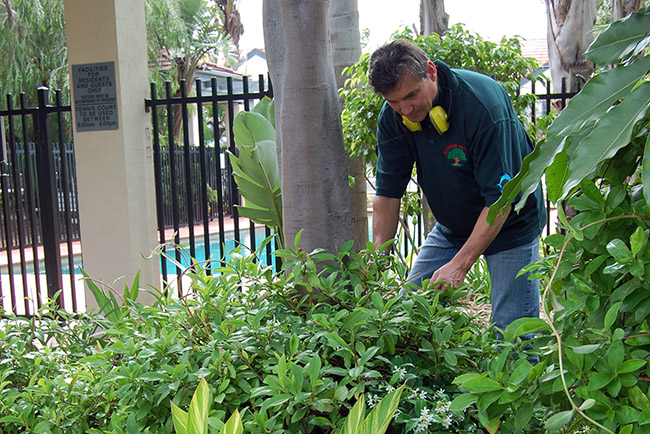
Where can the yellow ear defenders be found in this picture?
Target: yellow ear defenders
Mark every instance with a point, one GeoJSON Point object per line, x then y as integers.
{"type": "Point", "coordinates": [438, 117]}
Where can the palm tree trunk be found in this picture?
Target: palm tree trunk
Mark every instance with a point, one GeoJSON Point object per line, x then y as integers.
{"type": "Point", "coordinates": [314, 172]}
{"type": "Point", "coordinates": [623, 8]}
{"type": "Point", "coordinates": [346, 49]}
{"type": "Point", "coordinates": [433, 18]}
{"type": "Point", "coordinates": [569, 35]}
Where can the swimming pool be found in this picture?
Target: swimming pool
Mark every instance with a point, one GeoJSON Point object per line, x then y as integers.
{"type": "Point", "coordinates": [216, 251]}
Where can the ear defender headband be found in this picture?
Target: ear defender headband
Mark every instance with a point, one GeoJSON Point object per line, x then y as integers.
{"type": "Point", "coordinates": [438, 117]}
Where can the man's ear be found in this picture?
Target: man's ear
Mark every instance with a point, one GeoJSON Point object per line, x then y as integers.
{"type": "Point", "coordinates": [433, 71]}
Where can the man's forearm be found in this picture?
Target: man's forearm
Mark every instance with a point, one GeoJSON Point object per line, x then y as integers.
{"type": "Point", "coordinates": [453, 273]}
{"type": "Point", "coordinates": [481, 237]}
{"type": "Point", "coordinates": [385, 217]}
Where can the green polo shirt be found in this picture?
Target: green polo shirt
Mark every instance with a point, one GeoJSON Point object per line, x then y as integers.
{"type": "Point", "coordinates": [463, 170]}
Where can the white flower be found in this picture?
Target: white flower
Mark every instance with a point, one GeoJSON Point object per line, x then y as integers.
{"type": "Point", "coordinates": [447, 421]}
{"type": "Point", "coordinates": [417, 393]}
{"type": "Point", "coordinates": [425, 420]}
{"type": "Point", "coordinates": [442, 406]}
{"type": "Point", "coordinates": [390, 389]}
{"type": "Point", "coordinates": [401, 372]}
{"type": "Point", "coordinates": [372, 400]}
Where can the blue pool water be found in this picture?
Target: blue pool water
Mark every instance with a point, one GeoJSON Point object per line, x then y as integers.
{"type": "Point", "coordinates": [169, 261]}
{"type": "Point", "coordinates": [216, 251]}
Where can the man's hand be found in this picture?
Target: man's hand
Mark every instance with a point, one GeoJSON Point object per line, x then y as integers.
{"type": "Point", "coordinates": [449, 276]}
{"type": "Point", "coordinates": [452, 274]}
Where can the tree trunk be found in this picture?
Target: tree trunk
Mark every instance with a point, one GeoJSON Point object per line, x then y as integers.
{"type": "Point", "coordinates": [186, 67]}
{"type": "Point", "coordinates": [346, 50]}
{"type": "Point", "coordinates": [623, 8]}
{"type": "Point", "coordinates": [232, 24]}
{"type": "Point", "coordinates": [274, 37]}
{"type": "Point", "coordinates": [569, 35]}
{"type": "Point", "coordinates": [433, 18]}
{"type": "Point", "coordinates": [314, 170]}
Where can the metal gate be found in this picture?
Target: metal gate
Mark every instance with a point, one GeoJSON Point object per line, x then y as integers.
{"type": "Point", "coordinates": [38, 206]}
{"type": "Point", "coordinates": [195, 191]}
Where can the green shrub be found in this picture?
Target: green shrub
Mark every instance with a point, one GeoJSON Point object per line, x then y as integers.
{"type": "Point", "coordinates": [288, 364]}
{"type": "Point", "coordinates": [593, 374]}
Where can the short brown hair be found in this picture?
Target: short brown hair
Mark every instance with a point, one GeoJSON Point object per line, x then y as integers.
{"type": "Point", "coordinates": [388, 62]}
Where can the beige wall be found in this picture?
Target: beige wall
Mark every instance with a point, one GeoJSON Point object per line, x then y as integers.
{"type": "Point", "coordinates": [115, 167]}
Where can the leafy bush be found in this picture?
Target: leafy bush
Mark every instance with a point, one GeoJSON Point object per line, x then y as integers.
{"type": "Point", "coordinates": [287, 364]}
{"type": "Point", "coordinates": [593, 374]}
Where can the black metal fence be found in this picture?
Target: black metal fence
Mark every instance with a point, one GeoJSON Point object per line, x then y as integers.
{"type": "Point", "coordinates": [21, 193]}
{"type": "Point", "coordinates": [194, 185]}
{"type": "Point", "coordinates": [39, 204]}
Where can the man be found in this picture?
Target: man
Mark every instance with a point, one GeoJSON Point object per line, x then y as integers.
{"type": "Point", "coordinates": [462, 133]}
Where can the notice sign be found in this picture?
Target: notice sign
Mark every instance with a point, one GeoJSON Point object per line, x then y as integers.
{"type": "Point", "coordinates": [95, 96]}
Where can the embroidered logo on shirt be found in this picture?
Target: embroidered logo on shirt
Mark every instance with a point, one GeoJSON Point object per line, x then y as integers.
{"type": "Point", "coordinates": [502, 182]}
{"type": "Point", "coordinates": [456, 154]}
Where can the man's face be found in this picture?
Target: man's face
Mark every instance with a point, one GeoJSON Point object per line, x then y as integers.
{"type": "Point", "coordinates": [413, 97]}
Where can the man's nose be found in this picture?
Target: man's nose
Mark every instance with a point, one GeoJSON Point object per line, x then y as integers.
{"type": "Point", "coordinates": [406, 108]}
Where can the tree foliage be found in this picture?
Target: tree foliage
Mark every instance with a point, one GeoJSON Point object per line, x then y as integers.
{"type": "Point", "coordinates": [180, 34]}
{"type": "Point", "coordinates": [602, 131]}
{"type": "Point", "coordinates": [32, 46]}
{"type": "Point", "coordinates": [183, 33]}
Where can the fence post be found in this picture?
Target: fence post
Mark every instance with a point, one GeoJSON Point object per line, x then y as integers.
{"type": "Point", "coordinates": [48, 202]}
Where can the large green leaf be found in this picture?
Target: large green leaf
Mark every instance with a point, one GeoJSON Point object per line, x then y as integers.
{"type": "Point", "coordinates": [556, 176]}
{"type": "Point", "coordinates": [254, 193]}
{"type": "Point", "coordinates": [197, 422]}
{"type": "Point", "coordinates": [257, 192]}
{"type": "Point", "coordinates": [645, 174]}
{"type": "Point", "coordinates": [261, 162]}
{"type": "Point", "coordinates": [254, 182]}
{"type": "Point", "coordinates": [234, 425]}
{"type": "Point", "coordinates": [354, 418]}
{"type": "Point", "coordinates": [251, 127]}
{"type": "Point", "coordinates": [593, 101]}
{"type": "Point", "coordinates": [620, 39]}
{"type": "Point", "coordinates": [611, 133]}
{"type": "Point", "coordinates": [378, 420]}
{"type": "Point", "coordinates": [179, 417]}
{"type": "Point", "coordinates": [598, 95]}
{"type": "Point", "coordinates": [266, 107]}
{"type": "Point", "coordinates": [258, 215]}
{"type": "Point", "coordinates": [557, 173]}
{"type": "Point", "coordinates": [255, 168]}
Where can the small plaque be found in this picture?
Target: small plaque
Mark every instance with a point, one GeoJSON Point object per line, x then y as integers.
{"type": "Point", "coordinates": [95, 96]}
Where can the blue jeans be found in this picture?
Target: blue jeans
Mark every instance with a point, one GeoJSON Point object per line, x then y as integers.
{"type": "Point", "coordinates": [512, 297]}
